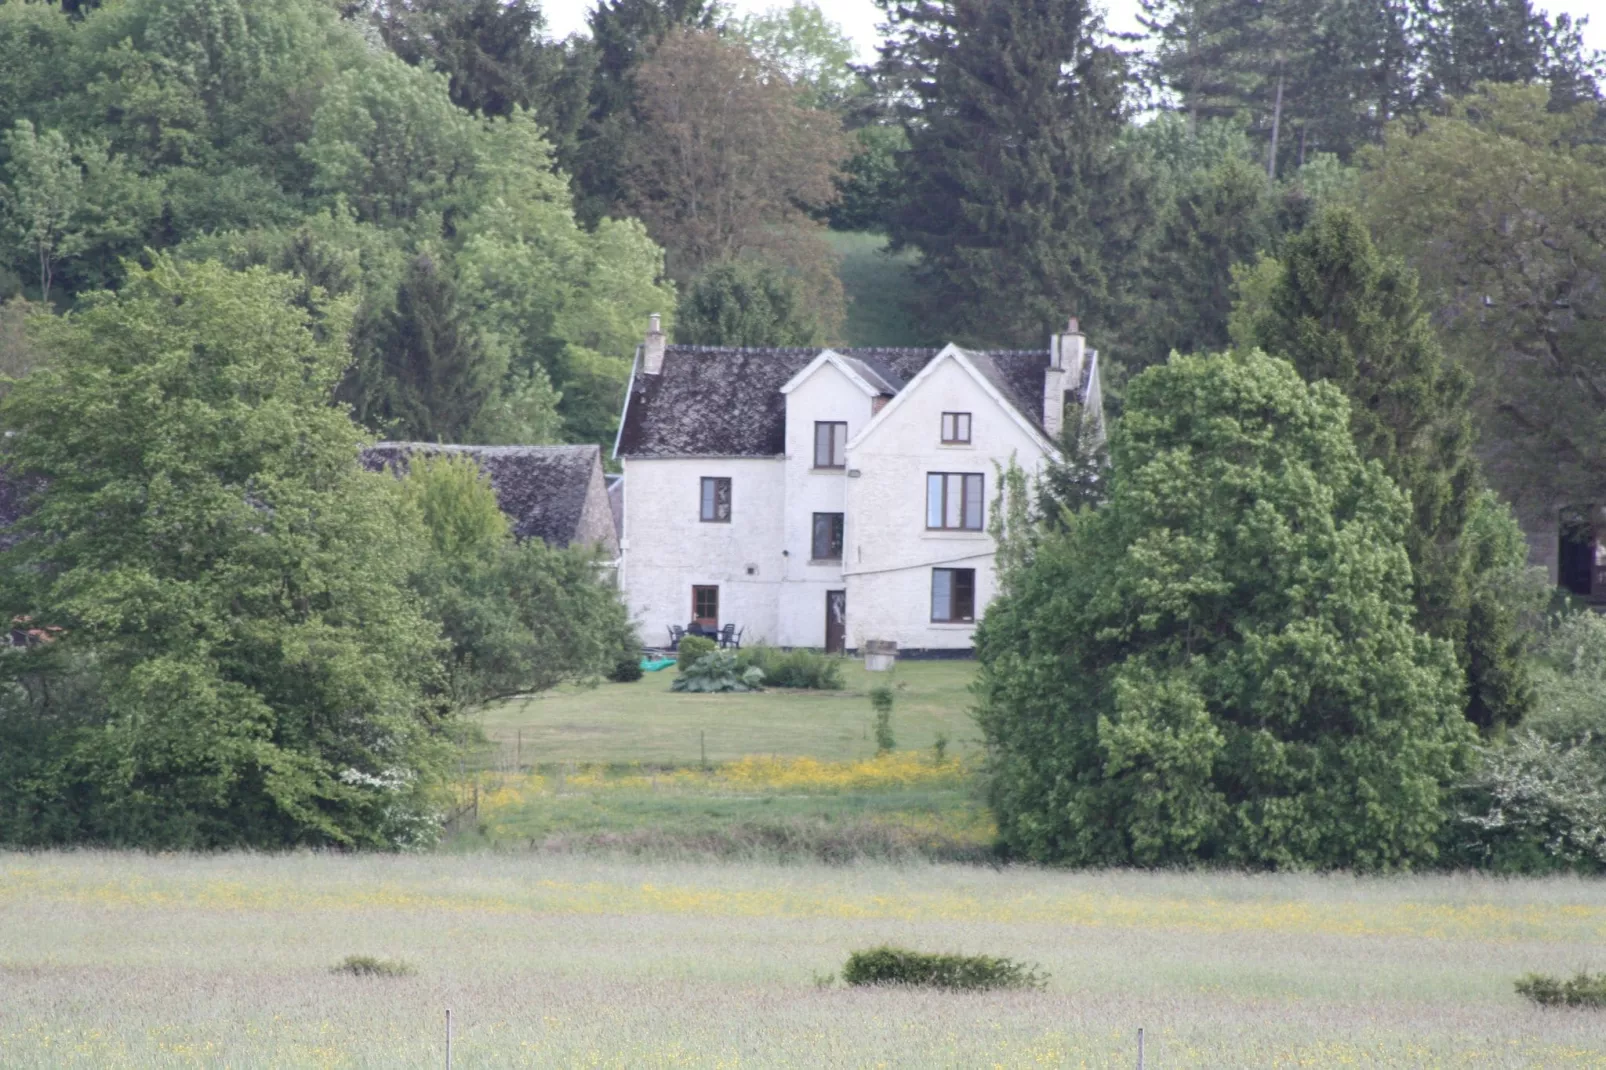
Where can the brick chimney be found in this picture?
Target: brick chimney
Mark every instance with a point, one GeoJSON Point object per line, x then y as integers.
{"type": "Point", "coordinates": [1067, 351]}
{"type": "Point", "coordinates": [652, 349]}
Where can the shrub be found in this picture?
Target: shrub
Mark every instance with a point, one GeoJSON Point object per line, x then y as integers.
{"type": "Point", "coordinates": [692, 648]}
{"type": "Point", "coordinates": [368, 966]}
{"type": "Point", "coordinates": [1584, 990]}
{"type": "Point", "coordinates": [881, 702]}
{"type": "Point", "coordinates": [900, 966]}
{"type": "Point", "coordinates": [795, 668]}
{"type": "Point", "coordinates": [626, 670]}
{"type": "Point", "coordinates": [718, 671]}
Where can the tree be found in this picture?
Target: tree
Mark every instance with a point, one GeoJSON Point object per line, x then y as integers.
{"type": "Point", "coordinates": [227, 586]}
{"type": "Point", "coordinates": [1216, 224]}
{"type": "Point", "coordinates": [1499, 205]}
{"type": "Point", "coordinates": [519, 617]}
{"type": "Point", "coordinates": [744, 304]}
{"type": "Point", "coordinates": [623, 34]}
{"type": "Point", "coordinates": [1467, 42]}
{"type": "Point", "coordinates": [44, 202]}
{"type": "Point", "coordinates": [438, 371]}
{"type": "Point", "coordinates": [726, 160]}
{"type": "Point", "coordinates": [815, 54]}
{"type": "Point", "coordinates": [1341, 312]}
{"type": "Point", "coordinates": [1012, 190]}
{"type": "Point", "coordinates": [1219, 664]}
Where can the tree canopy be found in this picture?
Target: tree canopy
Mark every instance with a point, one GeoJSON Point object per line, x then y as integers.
{"type": "Point", "coordinates": [243, 661]}
{"type": "Point", "coordinates": [1219, 664]}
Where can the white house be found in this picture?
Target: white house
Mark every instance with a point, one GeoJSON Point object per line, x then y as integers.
{"type": "Point", "coordinates": [825, 497]}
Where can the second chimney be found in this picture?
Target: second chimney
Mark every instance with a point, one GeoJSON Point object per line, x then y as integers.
{"type": "Point", "coordinates": [1066, 353]}
{"type": "Point", "coordinates": [652, 348]}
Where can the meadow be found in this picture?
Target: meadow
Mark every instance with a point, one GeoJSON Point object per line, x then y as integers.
{"type": "Point", "coordinates": [130, 960]}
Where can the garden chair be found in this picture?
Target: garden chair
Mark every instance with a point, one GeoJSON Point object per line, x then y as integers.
{"type": "Point", "coordinates": [676, 634]}
{"type": "Point", "coordinates": [727, 636]}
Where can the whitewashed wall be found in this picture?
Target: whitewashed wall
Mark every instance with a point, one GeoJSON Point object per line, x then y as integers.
{"type": "Point", "coordinates": [890, 554]}
{"type": "Point", "coordinates": [827, 394]}
{"type": "Point", "coordinates": [667, 549]}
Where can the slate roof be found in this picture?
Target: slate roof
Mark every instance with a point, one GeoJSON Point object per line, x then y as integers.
{"type": "Point", "coordinates": [542, 489]}
{"type": "Point", "coordinates": [722, 401]}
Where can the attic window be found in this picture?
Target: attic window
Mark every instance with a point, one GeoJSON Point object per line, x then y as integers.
{"type": "Point", "coordinates": [955, 428]}
{"type": "Point", "coordinates": [830, 444]}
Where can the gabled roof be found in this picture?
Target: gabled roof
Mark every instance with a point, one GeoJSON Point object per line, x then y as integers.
{"type": "Point", "coordinates": [721, 401]}
{"type": "Point", "coordinates": [542, 489]}
{"type": "Point", "coordinates": [985, 370]}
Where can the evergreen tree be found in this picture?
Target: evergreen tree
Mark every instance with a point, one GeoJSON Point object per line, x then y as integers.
{"type": "Point", "coordinates": [1342, 312]}
{"type": "Point", "coordinates": [438, 372]}
{"type": "Point", "coordinates": [1221, 220]}
{"type": "Point", "coordinates": [1465, 42]}
{"type": "Point", "coordinates": [1013, 191]}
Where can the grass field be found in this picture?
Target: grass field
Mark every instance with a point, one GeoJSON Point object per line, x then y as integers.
{"type": "Point", "coordinates": [645, 722]}
{"type": "Point", "coordinates": [880, 291]}
{"type": "Point", "coordinates": [111, 961]}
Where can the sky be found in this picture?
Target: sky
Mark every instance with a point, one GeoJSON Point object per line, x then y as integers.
{"type": "Point", "coordinates": [858, 17]}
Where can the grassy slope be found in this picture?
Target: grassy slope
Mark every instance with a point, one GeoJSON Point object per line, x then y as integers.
{"type": "Point", "coordinates": [136, 960]}
{"type": "Point", "coordinates": [880, 292]}
{"type": "Point", "coordinates": [646, 722]}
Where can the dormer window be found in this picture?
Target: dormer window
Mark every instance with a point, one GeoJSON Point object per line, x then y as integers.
{"type": "Point", "coordinates": [830, 444]}
{"type": "Point", "coordinates": [956, 428]}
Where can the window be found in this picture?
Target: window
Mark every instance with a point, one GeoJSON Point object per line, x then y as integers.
{"type": "Point", "coordinates": [955, 428]}
{"type": "Point", "coordinates": [827, 537]}
{"type": "Point", "coordinates": [716, 506]}
{"type": "Point", "coordinates": [705, 606]}
{"type": "Point", "coordinates": [953, 595]}
{"type": "Point", "coordinates": [954, 501]}
{"type": "Point", "coordinates": [830, 444]}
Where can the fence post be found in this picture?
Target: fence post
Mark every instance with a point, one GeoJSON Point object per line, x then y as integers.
{"type": "Point", "coordinates": [702, 746]}
{"type": "Point", "coordinates": [448, 1038]}
{"type": "Point", "coordinates": [518, 754]}
{"type": "Point", "coordinates": [1140, 1047]}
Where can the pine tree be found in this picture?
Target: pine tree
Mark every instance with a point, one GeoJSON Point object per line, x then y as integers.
{"type": "Point", "coordinates": [1013, 191]}
{"type": "Point", "coordinates": [438, 373]}
{"type": "Point", "coordinates": [1342, 312]}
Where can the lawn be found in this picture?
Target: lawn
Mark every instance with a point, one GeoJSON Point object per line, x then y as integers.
{"type": "Point", "coordinates": [136, 960]}
{"type": "Point", "coordinates": [645, 722]}
{"type": "Point", "coordinates": [881, 292]}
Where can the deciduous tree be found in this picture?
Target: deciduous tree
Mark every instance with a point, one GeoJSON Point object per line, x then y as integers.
{"type": "Point", "coordinates": [1219, 664]}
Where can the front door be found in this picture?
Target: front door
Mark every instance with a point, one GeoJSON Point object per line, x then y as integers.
{"type": "Point", "coordinates": [705, 607]}
{"type": "Point", "coordinates": [836, 621]}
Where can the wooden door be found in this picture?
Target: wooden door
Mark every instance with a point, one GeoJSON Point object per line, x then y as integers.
{"type": "Point", "coordinates": [705, 607]}
{"type": "Point", "coordinates": [836, 621]}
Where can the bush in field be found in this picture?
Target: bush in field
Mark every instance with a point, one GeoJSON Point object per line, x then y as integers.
{"type": "Point", "coordinates": [794, 668]}
{"type": "Point", "coordinates": [692, 649]}
{"type": "Point", "coordinates": [1583, 990]}
{"type": "Point", "coordinates": [718, 671]}
{"type": "Point", "coordinates": [900, 966]}
{"type": "Point", "coordinates": [368, 966]}
{"type": "Point", "coordinates": [627, 670]}
{"type": "Point", "coordinates": [881, 702]}
{"type": "Point", "coordinates": [1219, 664]}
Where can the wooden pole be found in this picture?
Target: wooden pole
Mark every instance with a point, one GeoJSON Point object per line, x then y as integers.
{"type": "Point", "coordinates": [702, 745]}
{"type": "Point", "coordinates": [448, 1038]}
{"type": "Point", "coordinates": [518, 753]}
{"type": "Point", "coordinates": [1140, 1047]}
